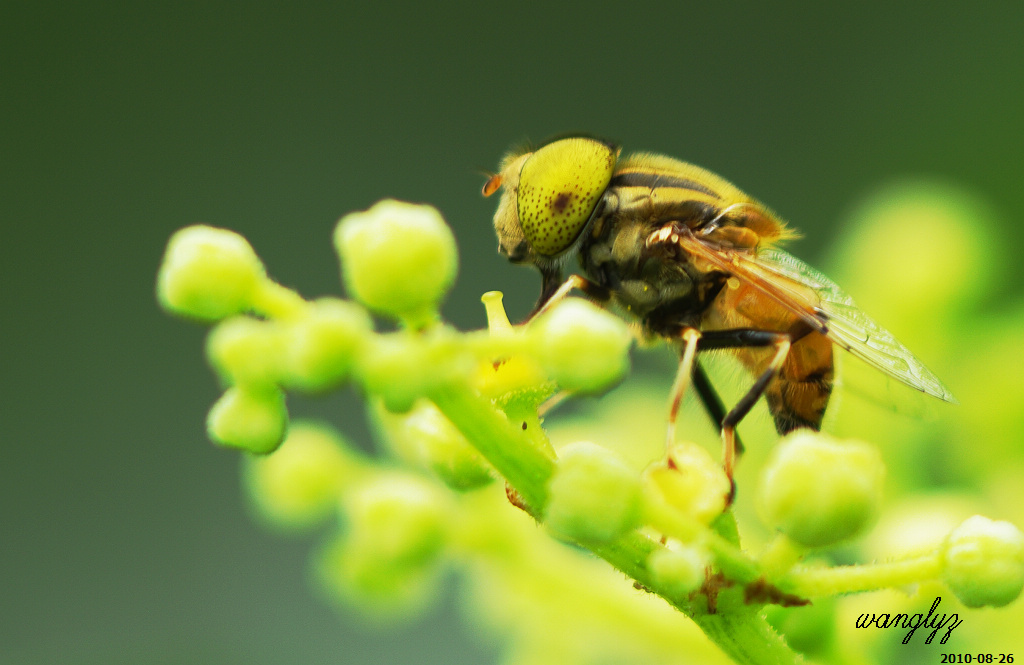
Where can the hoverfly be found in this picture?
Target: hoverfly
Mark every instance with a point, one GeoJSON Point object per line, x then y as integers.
{"type": "Point", "coordinates": [694, 261]}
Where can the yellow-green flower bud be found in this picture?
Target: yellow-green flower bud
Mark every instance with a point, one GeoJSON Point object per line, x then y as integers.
{"type": "Point", "coordinates": [246, 351]}
{"type": "Point", "coordinates": [398, 259]}
{"type": "Point", "coordinates": [428, 439]}
{"type": "Point", "coordinates": [353, 575]}
{"type": "Point", "coordinates": [983, 562]}
{"type": "Point", "coordinates": [818, 490]}
{"type": "Point", "coordinates": [322, 345]}
{"type": "Point", "coordinates": [689, 481]}
{"type": "Point", "coordinates": [583, 347]}
{"type": "Point", "coordinates": [677, 572]}
{"type": "Point", "coordinates": [251, 419]}
{"type": "Point", "coordinates": [401, 367]}
{"type": "Point", "coordinates": [208, 273]}
{"type": "Point", "coordinates": [399, 518]}
{"type": "Point", "coordinates": [593, 496]}
{"type": "Point", "coordinates": [390, 366]}
{"type": "Point", "coordinates": [387, 561]}
{"type": "Point", "coordinates": [300, 483]}
{"type": "Point", "coordinates": [515, 377]}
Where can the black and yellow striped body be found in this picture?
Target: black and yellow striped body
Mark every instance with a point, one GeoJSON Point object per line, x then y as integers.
{"type": "Point", "coordinates": [653, 236]}
{"type": "Point", "coordinates": [691, 259]}
{"type": "Point", "coordinates": [665, 289]}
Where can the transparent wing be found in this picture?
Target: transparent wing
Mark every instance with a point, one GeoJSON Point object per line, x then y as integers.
{"type": "Point", "coordinates": [791, 283]}
{"type": "Point", "coordinates": [850, 328]}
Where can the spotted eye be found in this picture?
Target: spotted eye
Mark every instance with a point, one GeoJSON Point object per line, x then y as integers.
{"type": "Point", "coordinates": [559, 187]}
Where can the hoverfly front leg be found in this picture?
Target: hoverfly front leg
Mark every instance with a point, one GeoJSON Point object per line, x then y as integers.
{"type": "Point", "coordinates": [550, 297]}
{"type": "Point", "coordinates": [592, 290]}
{"type": "Point", "coordinates": [551, 282]}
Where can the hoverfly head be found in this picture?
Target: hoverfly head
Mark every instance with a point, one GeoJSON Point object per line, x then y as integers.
{"type": "Point", "coordinates": [549, 196]}
{"type": "Point", "coordinates": [511, 241]}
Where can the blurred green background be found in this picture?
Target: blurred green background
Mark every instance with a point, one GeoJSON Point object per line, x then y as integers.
{"type": "Point", "coordinates": [124, 536]}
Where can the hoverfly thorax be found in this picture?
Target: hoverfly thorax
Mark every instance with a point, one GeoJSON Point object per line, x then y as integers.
{"type": "Point", "coordinates": [548, 198]}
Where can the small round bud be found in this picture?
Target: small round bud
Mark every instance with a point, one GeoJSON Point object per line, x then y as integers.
{"type": "Point", "coordinates": [398, 259]}
{"type": "Point", "coordinates": [509, 376]}
{"type": "Point", "coordinates": [353, 575]}
{"type": "Point", "coordinates": [299, 484]}
{"type": "Point", "coordinates": [983, 562]}
{"type": "Point", "coordinates": [246, 351]}
{"type": "Point", "coordinates": [583, 347]}
{"type": "Point", "coordinates": [390, 367]}
{"type": "Point", "coordinates": [677, 572]}
{"type": "Point", "coordinates": [515, 378]}
{"type": "Point", "coordinates": [688, 480]}
{"type": "Point", "coordinates": [208, 273]}
{"type": "Point", "coordinates": [401, 367]}
{"type": "Point", "coordinates": [251, 419]}
{"type": "Point", "coordinates": [387, 560]}
{"type": "Point", "coordinates": [398, 518]}
{"type": "Point", "coordinates": [322, 345]}
{"type": "Point", "coordinates": [593, 495]}
{"type": "Point", "coordinates": [818, 490]}
{"type": "Point", "coordinates": [956, 227]}
{"type": "Point", "coordinates": [428, 439]}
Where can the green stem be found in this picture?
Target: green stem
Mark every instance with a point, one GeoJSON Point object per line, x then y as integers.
{"type": "Point", "coordinates": [277, 302]}
{"type": "Point", "coordinates": [822, 581]}
{"type": "Point", "coordinates": [527, 465]}
{"type": "Point", "coordinates": [747, 638]}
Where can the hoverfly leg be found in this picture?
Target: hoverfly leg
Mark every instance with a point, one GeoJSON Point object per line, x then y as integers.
{"type": "Point", "coordinates": [550, 297]}
{"type": "Point", "coordinates": [590, 289]}
{"type": "Point", "coordinates": [713, 404]}
{"type": "Point", "coordinates": [730, 450]}
{"type": "Point", "coordinates": [553, 401]}
{"type": "Point", "coordinates": [551, 281]}
{"type": "Point", "coordinates": [744, 338]}
{"type": "Point", "coordinates": [690, 338]}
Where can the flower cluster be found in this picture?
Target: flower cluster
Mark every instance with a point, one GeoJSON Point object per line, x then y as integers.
{"type": "Point", "coordinates": [462, 409]}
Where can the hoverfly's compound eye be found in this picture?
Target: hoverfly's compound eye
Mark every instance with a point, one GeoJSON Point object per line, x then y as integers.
{"type": "Point", "coordinates": [559, 187]}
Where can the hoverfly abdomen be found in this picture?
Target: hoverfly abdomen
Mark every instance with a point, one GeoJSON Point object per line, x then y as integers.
{"type": "Point", "coordinates": [800, 395]}
{"type": "Point", "coordinates": [800, 392]}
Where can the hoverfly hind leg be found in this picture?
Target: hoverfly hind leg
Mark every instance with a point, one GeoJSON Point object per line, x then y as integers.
{"type": "Point", "coordinates": [722, 339]}
{"type": "Point", "coordinates": [712, 402]}
{"type": "Point", "coordinates": [730, 451]}
{"type": "Point", "coordinates": [716, 409]}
